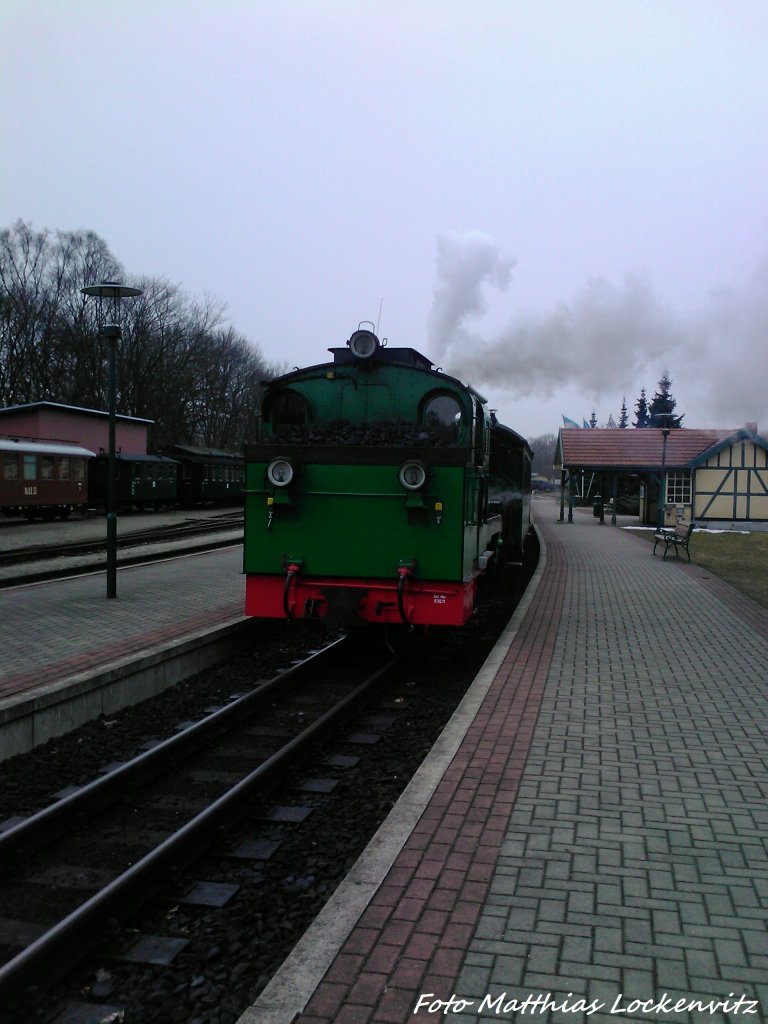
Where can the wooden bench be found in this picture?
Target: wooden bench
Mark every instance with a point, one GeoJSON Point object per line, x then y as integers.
{"type": "Point", "coordinates": [677, 538]}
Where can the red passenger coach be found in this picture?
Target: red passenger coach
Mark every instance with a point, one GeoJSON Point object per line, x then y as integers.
{"type": "Point", "coordinates": [45, 479]}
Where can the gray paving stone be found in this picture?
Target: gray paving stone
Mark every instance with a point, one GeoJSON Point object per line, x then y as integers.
{"type": "Point", "coordinates": [507, 970]}
{"type": "Point", "coordinates": [577, 947]}
{"type": "Point", "coordinates": [645, 830]}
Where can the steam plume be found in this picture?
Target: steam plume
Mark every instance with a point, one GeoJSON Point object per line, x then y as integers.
{"type": "Point", "coordinates": [607, 341]}
{"type": "Point", "coordinates": [600, 342]}
{"type": "Point", "coordinates": [465, 262]}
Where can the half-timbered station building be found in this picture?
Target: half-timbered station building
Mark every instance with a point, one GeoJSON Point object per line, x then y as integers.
{"type": "Point", "coordinates": [706, 475]}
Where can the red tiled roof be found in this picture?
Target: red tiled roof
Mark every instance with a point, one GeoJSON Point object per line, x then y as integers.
{"type": "Point", "coordinates": [610, 448]}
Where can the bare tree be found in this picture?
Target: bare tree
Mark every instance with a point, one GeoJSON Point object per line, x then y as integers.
{"type": "Point", "coordinates": [177, 363]}
{"type": "Point", "coordinates": [45, 332]}
{"type": "Point", "coordinates": [543, 454]}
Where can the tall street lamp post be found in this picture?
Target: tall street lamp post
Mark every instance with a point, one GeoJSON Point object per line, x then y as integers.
{"type": "Point", "coordinates": [111, 334]}
{"type": "Point", "coordinates": [663, 416]}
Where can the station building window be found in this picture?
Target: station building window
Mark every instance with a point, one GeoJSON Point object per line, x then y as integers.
{"type": "Point", "coordinates": [679, 488]}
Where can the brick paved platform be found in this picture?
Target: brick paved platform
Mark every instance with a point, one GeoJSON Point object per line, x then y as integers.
{"type": "Point", "coordinates": [588, 840]}
{"type": "Point", "coordinates": [54, 630]}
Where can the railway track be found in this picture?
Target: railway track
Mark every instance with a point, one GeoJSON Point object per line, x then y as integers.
{"type": "Point", "coordinates": [179, 531]}
{"type": "Point", "coordinates": [40, 563]}
{"type": "Point", "coordinates": [72, 869]}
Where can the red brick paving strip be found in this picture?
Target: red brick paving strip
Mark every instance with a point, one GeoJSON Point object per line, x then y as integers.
{"type": "Point", "coordinates": [413, 936]}
{"type": "Point", "coordinates": [113, 650]}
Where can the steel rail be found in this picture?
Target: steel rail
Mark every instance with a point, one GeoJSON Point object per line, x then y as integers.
{"type": "Point", "coordinates": [41, 828]}
{"type": "Point", "coordinates": [67, 942]}
{"type": "Point", "coordinates": [189, 528]}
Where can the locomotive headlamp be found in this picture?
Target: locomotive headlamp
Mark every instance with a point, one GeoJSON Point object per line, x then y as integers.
{"type": "Point", "coordinates": [280, 472]}
{"type": "Point", "coordinates": [363, 344]}
{"type": "Point", "coordinates": [412, 476]}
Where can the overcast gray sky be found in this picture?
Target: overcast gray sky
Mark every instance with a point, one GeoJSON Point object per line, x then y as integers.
{"type": "Point", "coordinates": [555, 200]}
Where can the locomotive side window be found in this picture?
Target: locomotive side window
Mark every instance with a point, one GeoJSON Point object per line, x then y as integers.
{"type": "Point", "coordinates": [288, 408]}
{"type": "Point", "coordinates": [444, 415]}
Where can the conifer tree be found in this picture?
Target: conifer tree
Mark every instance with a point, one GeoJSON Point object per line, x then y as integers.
{"type": "Point", "coordinates": [641, 410]}
{"type": "Point", "coordinates": [593, 420]}
{"type": "Point", "coordinates": [662, 407]}
{"type": "Point", "coordinates": [624, 417]}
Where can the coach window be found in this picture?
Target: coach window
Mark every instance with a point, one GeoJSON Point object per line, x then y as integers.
{"type": "Point", "coordinates": [64, 468]}
{"type": "Point", "coordinates": [11, 468]}
{"type": "Point", "coordinates": [30, 467]}
{"type": "Point", "coordinates": [78, 470]}
{"type": "Point", "coordinates": [444, 416]}
{"type": "Point", "coordinates": [46, 467]}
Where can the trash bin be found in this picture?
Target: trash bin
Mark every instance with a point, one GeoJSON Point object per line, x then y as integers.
{"type": "Point", "coordinates": [597, 506]}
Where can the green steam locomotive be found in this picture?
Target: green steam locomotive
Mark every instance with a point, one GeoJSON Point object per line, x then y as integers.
{"type": "Point", "coordinates": [380, 491]}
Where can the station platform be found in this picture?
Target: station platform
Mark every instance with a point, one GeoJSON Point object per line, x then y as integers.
{"type": "Point", "coordinates": [69, 653]}
{"type": "Point", "coordinates": [588, 838]}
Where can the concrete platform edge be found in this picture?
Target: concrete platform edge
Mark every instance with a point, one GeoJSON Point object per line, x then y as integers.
{"type": "Point", "coordinates": [53, 709]}
{"type": "Point", "coordinates": [289, 991]}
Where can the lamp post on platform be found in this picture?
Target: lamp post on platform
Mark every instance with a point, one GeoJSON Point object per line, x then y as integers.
{"type": "Point", "coordinates": [664, 417]}
{"type": "Point", "coordinates": [111, 334]}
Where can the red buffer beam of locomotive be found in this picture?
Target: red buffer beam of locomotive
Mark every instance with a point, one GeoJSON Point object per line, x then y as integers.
{"type": "Point", "coordinates": [422, 602]}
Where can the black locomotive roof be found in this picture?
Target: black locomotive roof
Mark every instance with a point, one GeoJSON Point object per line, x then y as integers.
{"type": "Point", "coordinates": [399, 356]}
{"type": "Point", "coordinates": [391, 356]}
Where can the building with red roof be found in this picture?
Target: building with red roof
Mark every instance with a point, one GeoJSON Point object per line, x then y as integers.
{"type": "Point", "coordinates": [52, 421]}
{"type": "Point", "coordinates": [705, 475]}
